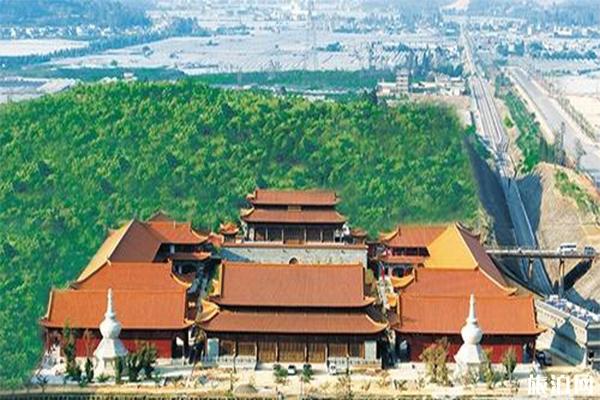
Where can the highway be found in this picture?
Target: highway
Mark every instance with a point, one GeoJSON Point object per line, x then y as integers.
{"type": "Point", "coordinates": [490, 126]}
{"type": "Point", "coordinates": [548, 109]}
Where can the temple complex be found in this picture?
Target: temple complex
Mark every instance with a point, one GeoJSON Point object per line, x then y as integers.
{"type": "Point", "coordinates": [291, 283]}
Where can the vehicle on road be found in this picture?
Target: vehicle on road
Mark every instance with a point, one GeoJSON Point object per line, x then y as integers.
{"type": "Point", "coordinates": [291, 370]}
{"type": "Point", "coordinates": [589, 251]}
{"type": "Point", "coordinates": [544, 358]}
{"type": "Point", "coordinates": [567, 248]}
{"type": "Point", "coordinates": [332, 369]}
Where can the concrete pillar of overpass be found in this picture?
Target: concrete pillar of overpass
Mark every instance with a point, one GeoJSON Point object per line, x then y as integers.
{"type": "Point", "coordinates": [561, 277]}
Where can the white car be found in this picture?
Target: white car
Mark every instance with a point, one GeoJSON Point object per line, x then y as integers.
{"type": "Point", "coordinates": [567, 248]}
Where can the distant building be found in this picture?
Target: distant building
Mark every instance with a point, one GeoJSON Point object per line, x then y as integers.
{"type": "Point", "coordinates": [399, 88]}
{"type": "Point", "coordinates": [294, 226]}
{"type": "Point", "coordinates": [265, 313]}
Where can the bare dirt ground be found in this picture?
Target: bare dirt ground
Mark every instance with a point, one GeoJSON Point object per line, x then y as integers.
{"type": "Point", "coordinates": [405, 381]}
{"type": "Point", "coordinates": [558, 219]}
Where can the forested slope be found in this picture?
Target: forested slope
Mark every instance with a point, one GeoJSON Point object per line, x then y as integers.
{"type": "Point", "coordinates": [77, 163]}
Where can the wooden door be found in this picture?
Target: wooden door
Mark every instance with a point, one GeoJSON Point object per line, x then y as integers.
{"type": "Point", "coordinates": [317, 352]}
{"type": "Point", "coordinates": [338, 349]}
{"type": "Point", "coordinates": [246, 349]}
{"type": "Point", "coordinates": [291, 352]}
{"type": "Point", "coordinates": [267, 352]}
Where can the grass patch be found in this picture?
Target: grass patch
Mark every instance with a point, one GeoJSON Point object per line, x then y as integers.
{"type": "Point", "coordinates": [533, 146]}
{"type": "Point", "coordinates": [585, 202]}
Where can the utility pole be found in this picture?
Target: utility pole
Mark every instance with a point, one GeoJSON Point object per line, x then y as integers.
{"type": "Point", "coordinates": [311, 37]}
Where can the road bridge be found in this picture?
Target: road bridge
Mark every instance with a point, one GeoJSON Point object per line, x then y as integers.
{"type": "Point", "coordinates": [531, 254]}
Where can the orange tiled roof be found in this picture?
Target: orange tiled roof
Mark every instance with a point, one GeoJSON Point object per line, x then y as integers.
{"type": "Point", "coordinates": [358, 232]}
{"type": "Point", "coordinates": [131, 242]}
{"type": "Point", "coordinates": [500, 315]}
{"type": "Point", "coordinates": [294, 323]}
{"type": "Point", "coordinates": [228, 228]}
{"type": "Point", "coordinates": [283, 285]}
{"type": "Point", "coordinates": [139, 241]}
{"type": "Point", "coordinates": [294, 216]}
{"type": "Point", "coordinates": [131, 276]}
{"type": "Point", "coordinates": [293, 197]}
{"type": "Point", "coordinates": [175, 232]}
{"type": "Point", "coordinates": [449, 247]}
{"type": "Point", "coordinates": [453, 282]}
{"type": "Point", "coordinates": [412, 235]}
{"type": "Point", "coordinates": [84, 309]}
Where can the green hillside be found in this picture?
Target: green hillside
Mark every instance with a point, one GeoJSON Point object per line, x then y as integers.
{"type": "Point", "coordinates": [79, 162]}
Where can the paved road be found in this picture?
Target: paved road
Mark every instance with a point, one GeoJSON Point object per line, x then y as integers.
{"type": "Point", "coordinates": [550, 111]}
{"type": "Point", "coordinates": [491, 126]}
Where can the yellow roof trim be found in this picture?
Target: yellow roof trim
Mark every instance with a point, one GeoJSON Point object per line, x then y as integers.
{"type": "Point", "coordinates": [402, 282]}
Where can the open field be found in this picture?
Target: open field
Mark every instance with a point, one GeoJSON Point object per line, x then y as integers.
{"type": "Point", "coordinates": [26, 47]}
{"type": "Point", "coordinates": [265, 50]}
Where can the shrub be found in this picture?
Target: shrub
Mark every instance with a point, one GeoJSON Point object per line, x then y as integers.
{"type": "Point", "coordinates": [435, 358]}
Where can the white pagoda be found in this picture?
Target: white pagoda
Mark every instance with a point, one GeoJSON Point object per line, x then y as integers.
{"type": "Point", "coordinates": [111, 347]}
{"type": "Point", "coordinates": [470, 356]}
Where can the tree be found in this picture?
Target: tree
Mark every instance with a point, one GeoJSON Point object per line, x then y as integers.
{"type": "Point", "coordinates": [280, 374]}
{"type": "Point", "coordinates": [490, 376]}
{"type": "Point", "coordinates": [435, 358]}
{"type": "Point", "coordinates": [68, 345]}
{"type": "Point", "coordinates": [89, 370]}
{"type": "Point", "coordinates": [509, 363]}
{"type": "Point", "coordinates": [306, 376]}
{"type": "Point", "coordinates": [85, 142]}
{"type": "Point", "coordinates": [134, 366]}
{"type": "Point", "coordinates": [119, 366]}
{"type": "Point", "coordinates": [147, 357]}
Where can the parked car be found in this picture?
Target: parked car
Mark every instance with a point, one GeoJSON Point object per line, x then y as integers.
{"type": "Point", "coordinates": [332, 369]}
{"type": "Point", "coordinates": [567, 248]}
{"type": "Point", "coordinates": [589, 251]}
{"type": "Point", "coordinates": [543, 357]}
{"type": "Point", "coordinates": [291, 369]}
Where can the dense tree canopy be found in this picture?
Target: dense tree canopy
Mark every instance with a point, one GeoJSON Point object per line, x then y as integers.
{"type": "Point", "coordinates": [80, 162]}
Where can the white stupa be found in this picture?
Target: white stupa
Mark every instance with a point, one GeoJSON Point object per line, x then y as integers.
{"type": "Point", "coordinates": [470, 356]}
{"type": "Point", "coordinates": [111, 347]}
